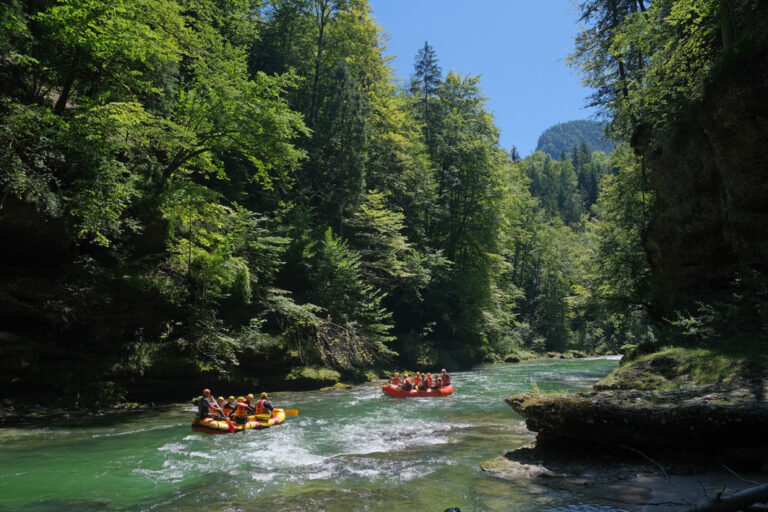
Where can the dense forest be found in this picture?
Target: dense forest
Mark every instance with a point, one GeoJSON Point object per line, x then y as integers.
{"type": "Point", "coordinates": [240, 190]}
{"type": "Point", "coordinates": [561, 138]}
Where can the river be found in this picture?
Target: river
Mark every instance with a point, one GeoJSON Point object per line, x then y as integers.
{"type": "Point", "coordinates": [348, 450]}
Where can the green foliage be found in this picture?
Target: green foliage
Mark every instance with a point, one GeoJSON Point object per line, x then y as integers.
{"type": "Point", "coordinates": [202, 242]}
{"type": "Point", "coordinates": [624, 276]}
{"type": "Point", "coordinates": [167, 138]}
{"type": "Point", "coordinates": [338, 153]}
{"type": "Point", "coordinates": [31, 135]}
{"type": "Point", "coordinates": [387, 258]}
{"type": "Point", "coordinates": [340, 289]}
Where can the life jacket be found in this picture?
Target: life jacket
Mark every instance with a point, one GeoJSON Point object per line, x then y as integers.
{"type": "Point", "coordinates": [241, 413]}
{"type": "Point", "coordinates": [229, 408]}
{"type": "Point", "coordinates": [429, 381]}
{"type": "Point", "coordinates": [395, 380]}
{"type": "Point", "coordinates": [417, 380]}
{"type": "Point", "coordinates": [260, 409]}
{"type": "Point", "coordinates": [446, 380]}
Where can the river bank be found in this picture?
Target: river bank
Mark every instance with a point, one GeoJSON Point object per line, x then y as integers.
{"type": "Point", "coordinates": [667, 429]}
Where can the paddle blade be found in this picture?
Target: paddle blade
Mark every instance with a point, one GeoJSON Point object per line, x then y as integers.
{"type": "Point", "coordinates": [291, 412]}
{"type": "Point", "coordinates": [230, 425]}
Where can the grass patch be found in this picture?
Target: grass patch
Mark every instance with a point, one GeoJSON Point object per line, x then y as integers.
{"type": "Point", "coordinates": [671, 367]}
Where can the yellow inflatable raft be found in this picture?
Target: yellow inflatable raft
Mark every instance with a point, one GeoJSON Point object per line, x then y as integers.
{"type": "Point", "coordinates": [259, 421]}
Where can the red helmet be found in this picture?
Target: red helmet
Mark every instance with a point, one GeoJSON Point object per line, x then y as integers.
{"type": "Point", "coordinates": [206, 391]}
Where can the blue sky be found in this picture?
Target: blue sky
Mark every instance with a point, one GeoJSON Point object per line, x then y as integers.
{"type": "Point", "coordinates": [518, 46]}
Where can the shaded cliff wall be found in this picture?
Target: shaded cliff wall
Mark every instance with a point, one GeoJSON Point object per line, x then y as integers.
{"type": "Point", "coordinates": [709, 235]}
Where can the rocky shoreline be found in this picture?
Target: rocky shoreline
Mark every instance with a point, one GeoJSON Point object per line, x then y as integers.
{"type": "Point", "coordinates": [621, 479]}
{"type": "Point", "coordinates": [644, 450]}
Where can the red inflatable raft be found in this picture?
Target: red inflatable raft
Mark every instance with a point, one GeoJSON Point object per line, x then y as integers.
{"type": "Point", "coordinates": [391, 390]}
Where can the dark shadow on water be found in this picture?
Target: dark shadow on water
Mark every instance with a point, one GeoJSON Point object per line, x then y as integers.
{"type": "Point", "coordinates": [102, 419]}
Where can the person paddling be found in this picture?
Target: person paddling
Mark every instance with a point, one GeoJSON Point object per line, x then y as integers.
{"type": "Point", "coordinates": [205, 404]}
{"type": "Point", "coordinates": [264, 405]}
{"type": "Point", "coordinates": [445, 379]}
{"type": "Point", "coordinates": [219, 411]}
{"type": "Point", "coordinates": [395, 381]}
{"type": "Point", "coordinates": [251, 406]}
{"type": "Point", "coordinates": [230, 406]}
{"type": "Point", "coordinates": [407, 383]}
{"type": "Point", "coordinates": [240, 415]}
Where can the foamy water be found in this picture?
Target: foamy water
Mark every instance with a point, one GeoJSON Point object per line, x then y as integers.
{"type": "Point", "coordinates": [347, 450]}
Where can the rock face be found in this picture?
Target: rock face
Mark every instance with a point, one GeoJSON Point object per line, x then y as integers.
{"type": "Point", "coordinates": [718, 420]}
{"type": "Point", "coordinates": [709, 170]}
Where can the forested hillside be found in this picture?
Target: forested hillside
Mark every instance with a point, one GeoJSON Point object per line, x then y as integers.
{"type": "Point", "coordinates": [559, 139]}
{"type": "Point", "coordinates": [240, 191]}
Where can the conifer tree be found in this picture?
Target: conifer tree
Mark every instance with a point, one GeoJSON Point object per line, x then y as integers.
{"type": "Point", "coordinates": [426, 79]}
{"type": "Point", "coordinates": [339, 152]}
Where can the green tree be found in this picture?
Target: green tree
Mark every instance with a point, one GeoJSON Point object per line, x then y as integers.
{"type": "Point", "coordinates": [605, 67]}
{"type": "Point", "coordinates": [424, 85]}
{"type": "Point", "coordinates": [349, 301]}
{"type": "Point", "coordinates": [471, 169]}
{"type": "Point", "coordinates": [338, 154]}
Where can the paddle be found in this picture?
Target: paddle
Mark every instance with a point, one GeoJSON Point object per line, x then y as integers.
{"type": "Point", "coordinates": [230, 426]}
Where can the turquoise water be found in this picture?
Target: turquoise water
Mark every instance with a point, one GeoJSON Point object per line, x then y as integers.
{"type": "Point", "coordinates": [355, 449]}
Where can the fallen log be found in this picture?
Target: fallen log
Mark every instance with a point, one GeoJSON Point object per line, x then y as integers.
{"type": "Point", "coordinates": [739, 501]}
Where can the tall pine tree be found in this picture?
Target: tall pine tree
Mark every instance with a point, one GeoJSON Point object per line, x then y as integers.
{"type": "Point", "coordinates": [426, 79]}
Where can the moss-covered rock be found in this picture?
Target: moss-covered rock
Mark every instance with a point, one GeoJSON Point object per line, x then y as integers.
{"type": "Point", "coordinates": [676, 368]}
{"type": "Point", "coordinates": [305, 377]}
{"type": "Point", "coordinates": [520, 355]}
{"type": "Point", "coordinates": [713, 417]}
{"type": "Point", "coordinates": [336, 387]}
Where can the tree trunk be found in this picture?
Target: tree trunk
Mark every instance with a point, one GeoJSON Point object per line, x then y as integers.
{"type": "Point", "coordinates": [66, 90]}
{"type": "Point", "coordinates": [623, 78]}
